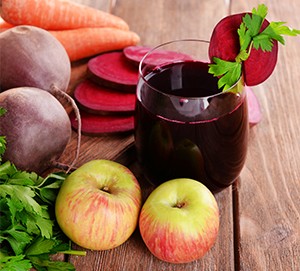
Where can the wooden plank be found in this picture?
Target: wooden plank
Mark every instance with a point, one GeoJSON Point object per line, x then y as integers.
{"type": "Point", "coordinates": [160, 21]}
{"type": "Point", "coordinates": [156, 22]}
{"type": "Point", "coordinates": [269, 195]}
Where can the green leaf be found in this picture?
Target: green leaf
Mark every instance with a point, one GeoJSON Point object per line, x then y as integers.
{"type": "Point", "coordinates": [263, 42]}
{"type": "Point", "coordinates": [48, 192]}
{"type": "Point", "coordinates": [27, 215]}
{"type": "Point", "coordinates": [244, 37]}
{"type": "Point", "coordinates": [280, 29]}
{"type": "Point", "coordinates": [15, 263]}
{"type": "Point", "coordinates": [230, 71]}
{"type": "Point", "coordinates": [24, 195]}
{"type": "Point", "coordinates": [262, 10]}
{"type": "Point", "coordinates": [18, 238]}
{"type": "Point", "coordinates": [15, 207]}
{"type": "Point", "coordinates": [5, 220]}
{"type": "Point", "coordinates": [253, 24]}
{"type": "Point", "coordinates": [40, 246]}
{"type": "Point", "coordinates": [2, 146]}
{"type": "Point", "coordinates": [276, 30]}
{"type": "Point", "coordinates": [6, 170]}
{"type": "Point", "coordinates": [45, 264]}
{"type": "Point", "coordinates": [45, 225]}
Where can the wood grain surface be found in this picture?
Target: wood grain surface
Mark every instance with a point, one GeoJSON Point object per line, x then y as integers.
{"type": "Point", "coordinates": [260, 214]}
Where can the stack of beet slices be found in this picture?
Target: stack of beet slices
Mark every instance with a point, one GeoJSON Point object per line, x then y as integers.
{"type": "Point", "coordinates": [107, 97]}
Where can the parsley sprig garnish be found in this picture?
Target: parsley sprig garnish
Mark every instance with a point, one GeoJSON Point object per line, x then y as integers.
{"type": "Point", "coordinates": [250, 37]}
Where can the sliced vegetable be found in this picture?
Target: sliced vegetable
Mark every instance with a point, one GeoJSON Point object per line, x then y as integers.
{"type": "Point", "coordinates": [224, 44]}
{"type": "Point", "coordinates": [98, 99]}
{"type": "Point", "coordinates": [94, 125]}
{"type": "Point", "coordinates": [36, 127]}
{"type": "Point", "coordinates": [86, 42]}
{"type": "Point", "coordinates": [246, 44]}
{"type": "Point", "coordinates": [136, 53]}
{"type": "Point", "coordinates": [113, 70]}
{"type": "Point", "coordinates": [57, 14]}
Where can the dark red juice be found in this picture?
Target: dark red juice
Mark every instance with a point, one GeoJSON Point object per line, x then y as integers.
{"type": "Point", "coordinates": [184, 136]}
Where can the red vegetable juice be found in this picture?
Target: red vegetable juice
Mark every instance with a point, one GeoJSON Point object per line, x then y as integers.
{"type": "Point", "coordinates": [185, 127]}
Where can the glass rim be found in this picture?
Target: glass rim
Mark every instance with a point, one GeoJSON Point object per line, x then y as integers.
{"type": "Point", "coordinates": [177, 96]}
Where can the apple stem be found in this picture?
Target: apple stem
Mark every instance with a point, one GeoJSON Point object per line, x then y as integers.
{"type": "Point", "coordinates": [179, 205]}
{"type": "Point", "coordinates": [105, 189]}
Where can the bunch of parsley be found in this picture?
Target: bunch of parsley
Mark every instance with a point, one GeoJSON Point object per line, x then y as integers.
{"type": "Point", "coordinates": [250, 37]}
{"type": "Point", "coordinates": [29, 234]}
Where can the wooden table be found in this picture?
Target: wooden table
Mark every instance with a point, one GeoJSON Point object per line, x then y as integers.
{"type": "Point", "coordinates": [260, 214]}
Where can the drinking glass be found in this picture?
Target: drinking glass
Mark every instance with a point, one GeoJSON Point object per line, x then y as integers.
{"type": "Point", "coordinates": [185, 126]}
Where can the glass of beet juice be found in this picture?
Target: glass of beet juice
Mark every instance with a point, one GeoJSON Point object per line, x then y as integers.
{"type": "Point", "coordinates": [185, 127]}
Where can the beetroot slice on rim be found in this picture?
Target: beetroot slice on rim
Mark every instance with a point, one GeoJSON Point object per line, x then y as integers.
{"type": "Point", "coordinates": [102, 124]}
{"type": "Point", "coordinates": [114, 71]}
{"type": "Point", "coordinates": [135, 53]}
{"type": "Point", "coordinates": [254, 110]}
{"type": "Point", "coordinates": [224, 44]}
{"type": "Point", "coordinates": [95, 98]}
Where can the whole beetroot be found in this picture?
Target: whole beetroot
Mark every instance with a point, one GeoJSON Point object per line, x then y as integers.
{"type": "Point", "coordinates": [36, 126]}
{"type": "Point", "coordinates": [32, 57]}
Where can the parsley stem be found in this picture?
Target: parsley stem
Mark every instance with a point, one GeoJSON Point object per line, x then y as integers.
{"type": "Point", "coordinates": [74, 252]}
{"type": "Point", "coordinates": [250, 47]}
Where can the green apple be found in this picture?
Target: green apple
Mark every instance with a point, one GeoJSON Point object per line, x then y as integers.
{"type": "Point", "coordinates": [98, 205]}
{"type": "Point", "coordinates": [179, 221]}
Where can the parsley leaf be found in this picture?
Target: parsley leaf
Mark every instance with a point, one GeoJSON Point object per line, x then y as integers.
{"type": "Point", "coordinates": [250, 37]}
{"type": "Point", "coordinates": [14, 263]}
{"type": "Point", "coordinates": [29, 233]}
{"type": "Point", "coordinates": [231, 72]}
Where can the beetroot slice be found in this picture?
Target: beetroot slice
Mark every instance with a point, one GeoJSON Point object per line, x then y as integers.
{"type": "Point", "coordinates": [96, 99]}
{"type": "Point", "coordinates": [135, 53]}
{"type": "Point", "coordinates": [254, 110]}
{"type": "Point", "coordinates": [114, 71]}
{"type": "Point", "coordinates": [102, 124]}
{"type": "Point", "coordinates": [224, 44]}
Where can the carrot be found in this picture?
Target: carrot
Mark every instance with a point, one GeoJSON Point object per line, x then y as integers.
{"type": "Point", "coordinates": [85, 42]}
{"type": "Point", "coordinates": [57, 15]}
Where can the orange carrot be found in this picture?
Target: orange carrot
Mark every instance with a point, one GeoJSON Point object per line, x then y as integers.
{"type": "Point", "coordinates": [57, 15]}
{"type": "Point", "coordinates": [85, 42]}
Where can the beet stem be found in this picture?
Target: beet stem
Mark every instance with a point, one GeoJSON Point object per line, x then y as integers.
{"type": "Point", "coordinates": [63, 166]}
{"type": "Point", "coordinates": [59, 93]}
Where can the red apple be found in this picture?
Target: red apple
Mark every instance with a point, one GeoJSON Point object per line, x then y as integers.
{"type": "Point", "coordinates": [179, 221]}
{"type": "Point", "coordinates": [98, 205]}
